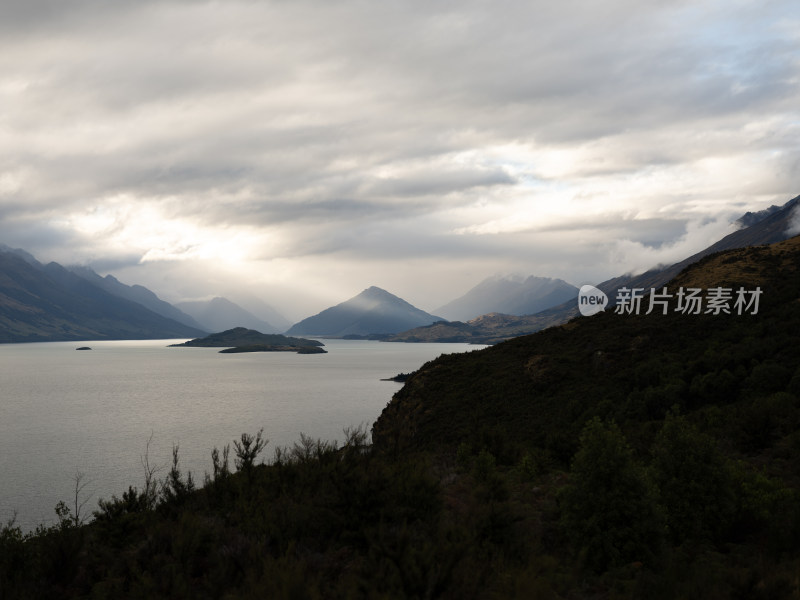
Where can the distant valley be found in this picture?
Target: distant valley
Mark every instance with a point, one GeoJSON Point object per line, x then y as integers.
{"type": "Point", "coordinates": [220, 314]}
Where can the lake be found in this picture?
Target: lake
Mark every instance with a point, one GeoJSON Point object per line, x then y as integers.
{"type": "Point", "coordinates": [64, 411]}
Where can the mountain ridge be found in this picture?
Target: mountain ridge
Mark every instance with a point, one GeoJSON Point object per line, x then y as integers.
{"type": "Point", "coordinates": [136, 293]}
{"type": "Point", "coordinates": [50, 303]}
{"type": "Point", "coordinates": [774, 226]}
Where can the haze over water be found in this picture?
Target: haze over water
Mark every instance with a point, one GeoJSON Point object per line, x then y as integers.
{"type": "Point", "coordinates": [63, 411]}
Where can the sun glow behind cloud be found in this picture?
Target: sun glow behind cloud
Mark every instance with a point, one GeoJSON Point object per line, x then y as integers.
{"type": "Point", "coordinates": [128, 225]}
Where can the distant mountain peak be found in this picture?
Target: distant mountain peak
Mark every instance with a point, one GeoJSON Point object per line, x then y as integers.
{"type": "Point", "coordinates": [511, 294]}
{"type": "Point", "coordinates": [373, 311]}
{"type": "Point", "coordinates": [751, 218]}
{"type": "Point", "coordinates": [220, 314]}
{"type": "Point", "coordinates": [379, 294]}
{"type": "Point", "coordinates": [26, 256]}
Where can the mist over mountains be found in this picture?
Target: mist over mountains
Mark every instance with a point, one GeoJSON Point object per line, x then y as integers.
{"type": "Point", "coordinates": [772, 226]}
{"type": "Point", "coordinates": [220, 314]}
{"type": "Point", "coordinates": [508, 294]}
{"type": "Point", "coordinates": [373, 311]}
{"type": "Point", "coordinates": [49, 302]}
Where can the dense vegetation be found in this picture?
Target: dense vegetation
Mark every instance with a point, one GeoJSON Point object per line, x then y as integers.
{"type": "Point", "coordinates": [617, 456]}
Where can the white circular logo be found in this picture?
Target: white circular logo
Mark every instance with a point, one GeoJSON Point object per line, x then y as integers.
{"type": "Point", "coordinates": [591, 300]}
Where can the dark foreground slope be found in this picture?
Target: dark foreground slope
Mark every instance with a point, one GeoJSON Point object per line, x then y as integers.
{"type": "Point", "coordinates": [540, 389]}
{"type": "Point", "coordinates": [613, 457]}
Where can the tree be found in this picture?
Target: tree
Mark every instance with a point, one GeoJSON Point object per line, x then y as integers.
{"type": "Point", "coordinates": [695, 482]}
{"type": "Point", "coordinates": [175, 488]}
{"type": "Point", "coordinates": [248, 449]}
{"type": "Point", "coordinates": [79, 503]}
{"type": "Point", "coordinates": [609, 508]}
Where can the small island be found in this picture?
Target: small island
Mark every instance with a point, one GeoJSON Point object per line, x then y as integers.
{"type": "Point", "coordinates": [241, 339]}
{"type": "Point", "coordinates": [400, 377]}
{"type": "Point", "coordinates": [267, 348]}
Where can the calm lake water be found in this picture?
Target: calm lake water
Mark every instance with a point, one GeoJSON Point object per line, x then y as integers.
{"type": "Point", "coordinates": [64, 411]}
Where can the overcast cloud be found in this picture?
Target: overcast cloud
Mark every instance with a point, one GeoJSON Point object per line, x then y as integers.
{"type": "Point", "coordinates": [308, 149]}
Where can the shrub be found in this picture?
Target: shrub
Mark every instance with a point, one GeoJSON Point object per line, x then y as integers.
{"type": "Point", "coordinates": [248, 449]}
{"type": "Point", "coordinates": [608, 508]}
{"type": "Point", "coordinates": [694, 481]}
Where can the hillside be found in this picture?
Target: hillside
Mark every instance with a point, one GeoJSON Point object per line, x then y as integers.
{"type": "Point", "coordinates": [373, 311]}
{"type": "Point", "coordinates": [49, 303]}
{"type": "Point", "coordinates": [555, 380]}
{"type": "Point", "coordinates": [766, 227]}
{"type": "Point", "coordinates": [138, 294]}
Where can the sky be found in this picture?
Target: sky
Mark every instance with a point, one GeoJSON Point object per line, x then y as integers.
{"type": "Point", "coordinates": [301, 151]}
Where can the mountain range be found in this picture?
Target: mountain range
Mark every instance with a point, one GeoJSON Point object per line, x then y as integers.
{"type": "Point", "coordinates": [373, 311]}
{"type": "Point", "coordinates": [137, 293]}
{"type": "Point", "coordinates": [767, 227]}
{"type": "Point", "coordinates": [48, 303]}
{"type": "Point", "coordinates": [509, 294]}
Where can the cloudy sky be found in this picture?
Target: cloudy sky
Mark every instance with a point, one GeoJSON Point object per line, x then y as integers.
{"type": "Point", "coordinates": [304, 150]}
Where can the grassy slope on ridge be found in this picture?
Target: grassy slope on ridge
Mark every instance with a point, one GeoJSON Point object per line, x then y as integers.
{"type": "Point", "coordinates": [540, 389]}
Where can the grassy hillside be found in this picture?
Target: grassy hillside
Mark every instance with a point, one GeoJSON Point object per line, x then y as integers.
{"type": "Point", "coordinates": [540, 389]}
{"type": "Point", "coordinates": [616, 456]}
